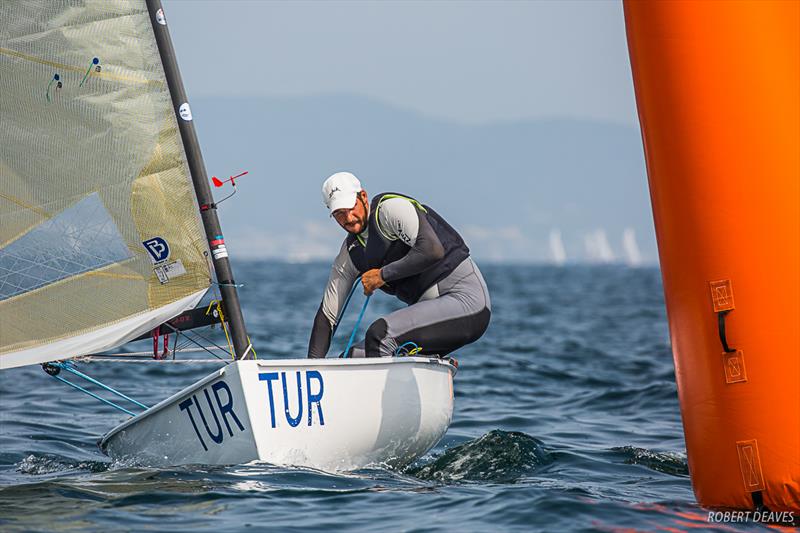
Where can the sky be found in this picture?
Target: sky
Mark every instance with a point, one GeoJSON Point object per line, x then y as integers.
{"type": "Point", "coordinates": [469, 62]}
{"type": "Point", "coordinates": [295, 91]}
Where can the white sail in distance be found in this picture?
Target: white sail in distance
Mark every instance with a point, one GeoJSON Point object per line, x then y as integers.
{"type": "Point", "coordinates": [633, 257]}
{"type": "Point", "coordinates": [100, 237]}
{"type": "Point", "coordinates": [557, 251]}
{"type": "Point", "coordinates": [598, 249]}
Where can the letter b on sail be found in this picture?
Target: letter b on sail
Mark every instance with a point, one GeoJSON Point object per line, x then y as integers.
{"type": "Point", "coordinates": [157, 248]}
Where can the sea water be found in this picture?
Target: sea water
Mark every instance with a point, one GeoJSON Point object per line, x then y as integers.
{"type": "Point", "coordinates": [566, 419]}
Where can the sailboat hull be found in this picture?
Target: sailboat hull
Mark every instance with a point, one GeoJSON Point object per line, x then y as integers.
{"type": "Point", "coordinates": [339, 414]}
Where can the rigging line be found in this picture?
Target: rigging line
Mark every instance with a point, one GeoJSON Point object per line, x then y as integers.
{"type": "Point", "coordinates": [228, 351]}
{"type": "Point", "coordinates": [247, 351]}
{"type": "Point", "coordinates": [250, 348]}
{"type": "Point", "coordinates": [150, 353]}
{"type": "Point", "coordinates": [95, 359]}
{"type": "Point", "coordinates": [200, 345]}
{"type": "Point", "coordinates": [255, 355]}
{"type": "Point", "coordinates": [221, 316]}
{"type": "Point", "coordinates": [225, 329]}
{"type": "Point", "coordinates": [355, 329]}
{"type": "Point", "coordinates": [190, 341]}
{"type": "Point", "coordinates": [54, 368]}
{"type": "Point", "coordinates": [183, 347]}
{"type": "Point", "coordinates": [69, 368]}
{"type": "Point", "coordinates": [93, 395]}
{"type": "Point", "coordinates": [216, 346]}
{"type": "Point", "coordinates": [175, 343]}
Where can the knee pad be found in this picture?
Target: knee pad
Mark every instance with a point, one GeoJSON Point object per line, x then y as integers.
{"type": "Point", "coordinates": [375, 337]}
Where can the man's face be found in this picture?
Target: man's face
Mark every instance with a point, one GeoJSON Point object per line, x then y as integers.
{"type": "Point", "coordinates": [353, 220]}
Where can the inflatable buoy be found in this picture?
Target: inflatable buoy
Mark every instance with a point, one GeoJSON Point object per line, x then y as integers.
{"type": "Point", "coordinates": [718, 93]}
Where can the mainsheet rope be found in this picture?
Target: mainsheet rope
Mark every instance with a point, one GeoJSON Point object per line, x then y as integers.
{"type": "Point", "coordinates": [358, 322]}
{"type": "Point", "coordinates": [355, 328]}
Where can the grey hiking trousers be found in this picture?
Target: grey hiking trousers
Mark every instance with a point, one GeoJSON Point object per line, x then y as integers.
{"type": "Point", "coordinates": [450, 314]}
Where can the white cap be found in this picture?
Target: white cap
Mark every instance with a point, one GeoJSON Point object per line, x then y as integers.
{"type": "Point", "coordinates": [340, 191]}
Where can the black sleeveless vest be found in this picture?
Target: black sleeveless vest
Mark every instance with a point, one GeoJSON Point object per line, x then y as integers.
{"type": "Point", "coordinates": [380, 251]}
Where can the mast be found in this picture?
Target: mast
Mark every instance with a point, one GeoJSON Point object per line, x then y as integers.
{"type": "Point", "coordinates": [208, 210]}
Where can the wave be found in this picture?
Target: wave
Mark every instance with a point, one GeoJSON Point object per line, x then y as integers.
{"type": "Point", "coordinates": [498, 456]}
{"type": "Point", "coordinates": [38, 465]}
{"type": "Point", "coordinates": [674, 463]}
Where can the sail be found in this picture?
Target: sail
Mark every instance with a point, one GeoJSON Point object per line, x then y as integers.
{"type": "Point", "coordinates": [598, 249]}
{"type": "Point", "coordinates": [100, 235]}
{"type": "Point", "coordinates": [633, 257]}
{"type": "Point", "coordinates": [557, 251]}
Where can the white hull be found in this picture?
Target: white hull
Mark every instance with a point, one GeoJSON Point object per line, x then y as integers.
{"type": "Point", "coordinates": [329, 414]}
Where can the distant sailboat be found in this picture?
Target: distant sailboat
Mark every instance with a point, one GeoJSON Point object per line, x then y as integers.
{"type": "Point", "coordinates": [598, 249]}
{"type": "Point", "coordinates": [633, 257]}
{"type": "Point", "coordinates": [557, 251]}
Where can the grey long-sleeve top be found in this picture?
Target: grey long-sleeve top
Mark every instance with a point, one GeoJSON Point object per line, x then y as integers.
{"type": "Point", "coordinates": [399, 219]}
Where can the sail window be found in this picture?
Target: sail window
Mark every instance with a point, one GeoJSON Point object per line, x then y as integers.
{"type": "Point", "coordinates": [80, 239]}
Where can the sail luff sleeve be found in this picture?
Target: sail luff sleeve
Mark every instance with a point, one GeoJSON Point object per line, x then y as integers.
{"type": "Point", "coordinates": [197, 169]}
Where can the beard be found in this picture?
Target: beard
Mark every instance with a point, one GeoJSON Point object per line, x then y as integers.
{"type": "Point", "coordinates": [361, 223]}
{"type": "Point", "coordinates": [357, 227]}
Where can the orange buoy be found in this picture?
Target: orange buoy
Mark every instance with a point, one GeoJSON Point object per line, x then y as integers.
{"type": "Point", "coordinates": [718, 93]}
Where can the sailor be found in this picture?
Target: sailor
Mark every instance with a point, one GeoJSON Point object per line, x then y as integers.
{"type": "Point", "coordinates": [404, 248]}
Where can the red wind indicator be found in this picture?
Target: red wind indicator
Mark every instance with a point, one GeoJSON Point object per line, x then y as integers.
{"type": "Point", "coordinates": [218, 183]}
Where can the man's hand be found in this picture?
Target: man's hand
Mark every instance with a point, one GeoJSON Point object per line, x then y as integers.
{"type": "Point", "coordinates": [372, 280]}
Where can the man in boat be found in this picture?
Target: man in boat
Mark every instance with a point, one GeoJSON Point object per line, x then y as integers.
{"type": "Point", "coordinates": [404, 248]}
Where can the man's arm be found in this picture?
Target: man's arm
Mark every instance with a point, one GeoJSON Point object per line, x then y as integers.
{"type": "Point", "coordinates": [343, 275]}
{"type": "Point", "coordinates": [401, 220]}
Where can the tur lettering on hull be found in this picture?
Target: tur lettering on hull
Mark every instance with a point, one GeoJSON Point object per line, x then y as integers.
{"type": "Point", "coordinates": [307, 400]}
{"type": "Point", "coordinates": [202, 411]}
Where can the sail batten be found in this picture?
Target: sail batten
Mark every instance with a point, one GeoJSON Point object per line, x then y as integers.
{"type": "Point", "coordinates": [100, 234]}
{"type": "Point", "coordinates": [72, 68]}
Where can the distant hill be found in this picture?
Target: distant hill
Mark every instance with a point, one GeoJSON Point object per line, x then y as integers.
{"type": "Point", "coordinates": [505, 186]}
